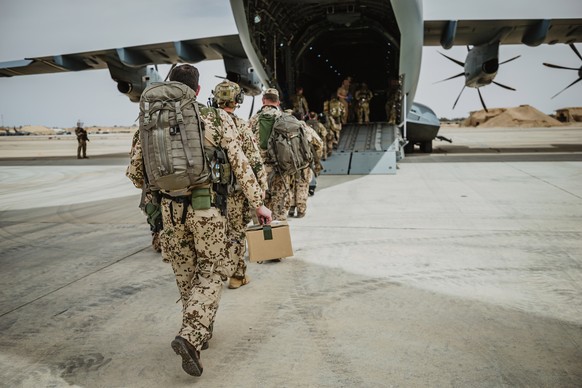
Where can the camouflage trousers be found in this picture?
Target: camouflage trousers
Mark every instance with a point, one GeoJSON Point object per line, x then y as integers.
{"type": "Point", "coordinates": [277, 198]}
{"type": "Point", "coordinates": [363, 113]}
{"type": "Point", "coordinates": [300, 190]}
{"type": "Point", "coordinates": [198, 251]}
{"type": "Point", "coordinates": [238, 214]}
{"type": "Point", "coordinates": [335, 128]}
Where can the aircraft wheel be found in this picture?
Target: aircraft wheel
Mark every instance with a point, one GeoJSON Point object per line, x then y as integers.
{"type": "Point", "coordinates": [426, 147]}
{"type": "Point", "coordinates": [409, 148]}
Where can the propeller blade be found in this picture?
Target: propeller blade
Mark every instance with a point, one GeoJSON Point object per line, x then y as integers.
{"type": "Point", "coordinates": [575, 50]}
{"type": "Point", "coordinates": [559, 67]}
{"type": "Point", "coordinates": [578, 80]}
{"type": "Point", "coordinates": [452, 59]}
{"type": "Point", "coordinates": [455, 76]}
{"type": "Point", "coordinates": [459, 96]}
{"type": "Point", "coordinates": [482, 102]}
{"type": "Point", "coordinates": [509, 60]}
{"type": "Point", "coordinates": [503, 86]}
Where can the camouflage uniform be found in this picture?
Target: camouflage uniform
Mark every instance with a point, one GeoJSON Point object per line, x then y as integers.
{"type": "Point", "coordinates": [334, 110]}
{"type": "Point", "coordinates": [279, 185]}
{"type": "Point", "coordinates": [300, 105]}
{"type": "Point", "coordinates": [322, 133]}
{"type": "Point", "coordinates": [343, 95]}
{"type": "Point", "coordinates": [363, 97]}
{"type": "Point", "coordinates": [300, 183]}
{"type": "Point", "coordinates": [394, 96]}
{"type": "Point", "coordinates": [146, 196]}
{"type": "Point", "coordinates": [198, 249]}
{"type": "Point", "coordinates": [238, 209]}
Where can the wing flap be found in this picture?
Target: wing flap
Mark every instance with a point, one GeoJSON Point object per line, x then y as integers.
{"type": "Point", "coordinates": [187, 51]}
{"type": "Point", "coordinates": [527, 31]}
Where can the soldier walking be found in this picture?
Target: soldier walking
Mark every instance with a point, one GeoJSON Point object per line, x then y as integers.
{"type": "Point", "coordinates": [227, 96]}
{"type": "Point", "coordinates": [194, 239]}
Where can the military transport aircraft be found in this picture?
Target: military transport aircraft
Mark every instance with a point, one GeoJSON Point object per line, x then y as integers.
{"type": "Point", "coordinates": [316, 44]}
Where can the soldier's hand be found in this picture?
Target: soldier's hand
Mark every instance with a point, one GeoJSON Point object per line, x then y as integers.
{"type": "Point", "coordinates": [264, 215]}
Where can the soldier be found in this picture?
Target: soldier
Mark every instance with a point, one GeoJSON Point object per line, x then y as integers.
{"type": "Point", "coordinates": [154, 217]}
{"type": "Point", "coordinates": [82, 140]}
{"type": "Point", "coordinates": [363, 97]}
{"type": "Point", "coordinates": [300, 106]}
{"type": "Point", "coordinates": [300, 184]}
{"type": "Point", "coordinates": [227, 96]}
{"type": "Point", "coordinates": [321, 130]}
{"type": "Point", "coordinates": [277, 198]}
{"type": "Point", "coordinates": [195, 241]}
{"type": "Point", "coordinates": [344, 97]}
{"type": "Point", "coordinates": [394, 95]}
{"type": "Point", "coordinates": [334, 111]}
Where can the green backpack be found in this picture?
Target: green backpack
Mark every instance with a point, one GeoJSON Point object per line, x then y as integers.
{"type": "Point", "coordinates": [288, 146]}
{"type": "Point", "coordinates": [172, 137]}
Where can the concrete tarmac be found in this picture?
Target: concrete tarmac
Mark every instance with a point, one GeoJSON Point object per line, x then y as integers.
{"type": "Point", "coordinates": [462, 270]}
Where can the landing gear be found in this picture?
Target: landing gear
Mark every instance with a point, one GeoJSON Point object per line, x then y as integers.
{"type": "Point", "coordinates": [426, 147]}
{"type": "Point", "coordinates": [409, 148]}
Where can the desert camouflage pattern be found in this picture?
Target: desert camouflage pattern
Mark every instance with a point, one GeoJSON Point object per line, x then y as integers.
{"type": "Point", "coordinates": [300, 105]}
{"type": "Point", "coordinates": [135, 175]}
{"type": "Point", "coordinates": [322, 133]}
{"type": "Point", "coordinates": [198, 250]}
{"type": "Point", "coordinates": [135, 170]}
{"type": "Point", "coordinates": [250, 147]}
{"type": "Point", "coordinates": [199, 254]}
{"type": "Point", "coordinates": [279, 186]}
{"type": "Point", "coordinates": [300, 183]}
{"type": "Point", "coordinates": [239, 216]}
{"type": "Point", "coordinates": [363, 97]}
{"type": "Point", "coordinates": [343, 93]}
{"type": "Point", "coordinates": [334, 123]}
{"type": "Point", "coordinates": [238, 209]}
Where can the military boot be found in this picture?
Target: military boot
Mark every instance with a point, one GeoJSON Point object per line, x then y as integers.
{"type": "Point", "coordinates": [234, 283]}
{"type": "Point", "coordinates": [291, 211]}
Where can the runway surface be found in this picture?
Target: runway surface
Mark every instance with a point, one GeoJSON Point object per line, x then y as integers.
{"type": "Point", "coordinates": [462, 270]}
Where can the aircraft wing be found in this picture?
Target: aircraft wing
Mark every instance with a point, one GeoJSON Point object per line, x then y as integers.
{"type": "Point", "coordinates": [532, 32]}
{"type": "Point", "coordinates": [184, 51]}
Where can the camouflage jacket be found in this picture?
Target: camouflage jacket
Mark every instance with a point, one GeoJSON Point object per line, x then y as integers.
{"type": "Point", "coordinates": [315, 141]}
{"type": "Point", "coordinates": [220, 131]}
{"type": "Point", "coordinates": [251, 150]}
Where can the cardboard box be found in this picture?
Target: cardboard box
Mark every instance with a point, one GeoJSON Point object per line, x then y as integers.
{"type": "Point", "coordinates": [266, 242]}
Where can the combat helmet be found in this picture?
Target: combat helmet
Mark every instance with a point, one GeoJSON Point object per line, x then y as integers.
{"type": "Point", "coordinates": [227, 91]}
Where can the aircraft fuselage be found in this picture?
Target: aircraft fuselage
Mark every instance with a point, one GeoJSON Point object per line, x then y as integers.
{"type": "Point", "coordinates": [292, 43]}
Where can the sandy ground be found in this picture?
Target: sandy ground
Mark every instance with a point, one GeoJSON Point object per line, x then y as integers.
{"type": "Point", "coordinates": [462, 270]}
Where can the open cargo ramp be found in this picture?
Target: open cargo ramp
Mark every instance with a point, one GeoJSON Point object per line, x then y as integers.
{"type": "Point", "coordinates": [363, 149]}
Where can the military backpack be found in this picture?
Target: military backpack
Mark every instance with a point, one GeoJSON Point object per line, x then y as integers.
{"type": "Point", "coordinates": [288, 146]}
{"type": "Point", "coordinates": [172, 137]}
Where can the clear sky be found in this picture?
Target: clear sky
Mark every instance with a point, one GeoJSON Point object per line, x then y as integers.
{"type": "Point", "coordinates": [30, 28]}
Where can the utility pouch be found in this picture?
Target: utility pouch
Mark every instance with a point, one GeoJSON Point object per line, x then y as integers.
{"type": "Point", "coordinates": [225, 173]}
{"type": "Point", "coordinates": [201, 198]}
{"type": "Point", "coordinates": [154, 215]}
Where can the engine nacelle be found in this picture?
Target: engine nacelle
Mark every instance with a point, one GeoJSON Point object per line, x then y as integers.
{"type": "Point", "coordinates": [239, 70]}
{"type": "Point", "coordinates": [481, 65]}
{"type": "Point", "coordinates": [133, 81]}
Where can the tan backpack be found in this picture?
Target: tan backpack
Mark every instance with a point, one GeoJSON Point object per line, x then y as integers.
{"type": "Point", "coordinates": [172, 137]}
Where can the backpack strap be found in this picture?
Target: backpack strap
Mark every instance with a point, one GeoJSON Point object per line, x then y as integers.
{"type": "Point", "coordinates": [183, 137]}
